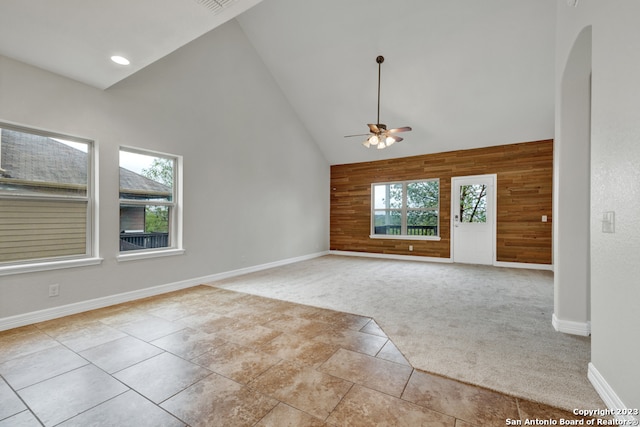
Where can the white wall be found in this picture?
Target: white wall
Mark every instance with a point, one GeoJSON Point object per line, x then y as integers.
{"type": "Point", "coordinates": [615, 185]}
{"type": "Point", "coordinates": [464, 74]}
{"type": "Point", "coordinates": [571, 189]}
{"type": "Point", "coordinates": [256, 187]}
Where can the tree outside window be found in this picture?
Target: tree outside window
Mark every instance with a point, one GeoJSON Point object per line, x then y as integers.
{"type": "Point", "coordinates": [147, 200]}
{"type": "Point", "coordinates": [473, 203]}
{"type": "Point", "coordinates": [157, 217]}
{"type": "Point", "coordinates": [406, 208]}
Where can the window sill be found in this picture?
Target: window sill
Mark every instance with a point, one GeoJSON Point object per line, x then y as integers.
{"type": "Point", "coordinates": [123, 257]}
{"type": "Point", "coordinates": [403, 237]}
{"type": "Point", "coordinates": [48, 265]}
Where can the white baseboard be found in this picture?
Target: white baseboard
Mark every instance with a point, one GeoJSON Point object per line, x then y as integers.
{"type": "Point", "coordinates": [92, 304]}
{"type": "Point", "coordinates": [610, 398]}
{"type": "Point", "coordinates": [260, 267]}
{"type": "Point", "coordinates": [571, 327]}
{"type": "Point", "coordinates": [391, 256]}
{"type": "Point", "coordinates": [442, 260]}
{"type": "Point", "coordinates": [526, 265]}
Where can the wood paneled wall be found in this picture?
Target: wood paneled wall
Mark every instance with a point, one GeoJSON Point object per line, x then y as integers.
{"type": "Point", "coordinates": [524, 186]}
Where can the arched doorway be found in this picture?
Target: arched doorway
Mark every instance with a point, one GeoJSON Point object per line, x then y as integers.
{"type": "Point", "coordinates": [572, 192]}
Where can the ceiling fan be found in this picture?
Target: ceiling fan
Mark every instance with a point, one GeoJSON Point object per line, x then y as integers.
{"type": "Point", "coordinates": [379, 135]}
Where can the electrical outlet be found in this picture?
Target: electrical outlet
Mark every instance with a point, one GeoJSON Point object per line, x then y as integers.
{"type": "Point", "coordinates": [54, 290]}
{"type": "Point", "coordinates": [410, 248]}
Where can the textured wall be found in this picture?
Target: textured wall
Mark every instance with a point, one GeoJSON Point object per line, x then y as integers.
{"type": "Point", "coordinates": [524, 194]}
{"type": "Point", "coordinates": [614, 183]}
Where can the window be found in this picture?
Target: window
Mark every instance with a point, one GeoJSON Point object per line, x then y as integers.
{"type": "Point", "coordinates": [473, 203]}
{"type": "Point", "coordinates": [406, 210]}
{"type": "Point", "coordinates": [149, 202]}
{"type": "Point", "coordinates": [46, 200]}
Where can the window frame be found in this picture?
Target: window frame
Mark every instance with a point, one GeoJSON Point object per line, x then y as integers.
{"type": "Point", "coordinates": [403, 210]}
{"type": "Point", "coordinates": [175, 209]}
{"type": "Point", "coordinates": [90, 256]}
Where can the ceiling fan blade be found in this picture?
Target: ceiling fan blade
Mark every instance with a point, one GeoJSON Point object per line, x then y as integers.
{"type": "Point", "coordinates": [374, 128]}
{"type": "Point", "coordinates": [360, 134]}
{"type": "Point", "coordinates": [402, 129]}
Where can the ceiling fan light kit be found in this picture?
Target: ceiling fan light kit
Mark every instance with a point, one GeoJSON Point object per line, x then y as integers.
{"type": "Point", "coordinates": [381, 136]}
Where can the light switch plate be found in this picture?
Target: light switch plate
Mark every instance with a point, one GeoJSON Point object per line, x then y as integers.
{"type": "Point", "coordinates": [608, 222]}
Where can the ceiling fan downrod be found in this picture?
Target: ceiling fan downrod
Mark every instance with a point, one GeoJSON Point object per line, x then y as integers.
{"type": "Point", "coordinates": [379, 60]}
{"type": "Point", "coordinates": [379, 136]}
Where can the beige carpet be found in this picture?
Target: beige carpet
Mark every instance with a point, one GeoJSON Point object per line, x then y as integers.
{"type": "Point", "coordinates": [482, 325]}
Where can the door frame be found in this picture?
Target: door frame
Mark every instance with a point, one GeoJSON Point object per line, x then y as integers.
{"type": "Point", "coordinates": [494, 220]}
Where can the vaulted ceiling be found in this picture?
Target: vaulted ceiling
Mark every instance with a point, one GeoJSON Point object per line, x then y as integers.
{"type": "Point", "coordinates": [463, 74]}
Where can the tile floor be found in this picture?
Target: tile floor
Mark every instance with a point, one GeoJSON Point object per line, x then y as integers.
{"type": "Point", "coordinates": [212, 357]}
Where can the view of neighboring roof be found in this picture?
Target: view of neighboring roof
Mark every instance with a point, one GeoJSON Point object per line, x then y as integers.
{"type": "Point", "coordinates": [31, 157]}
{"type": "Point", "coordinates": [35, 158]}
{"type": "Point", "coordinates": [131, 182]}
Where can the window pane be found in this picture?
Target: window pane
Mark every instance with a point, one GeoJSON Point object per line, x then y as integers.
{"type": "Point", "coordinates": [422, 223]}
{"type": "Point", "coordinates": [147, 201]}
{"type": "Point", "coordinates": [388, 196]}
{"type": "Point", "coordinates": [51, 217]}
{"type": "Point", "coordinates": [144, 227]}
{"type": "Point", "coordinates": [146, 177]}
{"type": "Point", "coordinates": [156, 219]}
{"type": "Point", "coordinates": [406, 208]}
{"type": "Point", "coordinates": [473, 203]}
{"type": "Point", "coordinates": [422, 194]}
{"type": "Point", "coordinates": [36, 165]}
{"type": "Point", "coordinates": [42, 228]}
{"type": "Point", "coordinates": [388, 222]}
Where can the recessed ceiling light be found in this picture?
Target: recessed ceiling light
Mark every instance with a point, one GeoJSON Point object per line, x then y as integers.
{"type": "Point", "coordinates": [120, 60]}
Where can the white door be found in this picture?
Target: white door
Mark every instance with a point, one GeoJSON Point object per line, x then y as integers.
{"type": "Point", "coordinates": [473, 220]}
